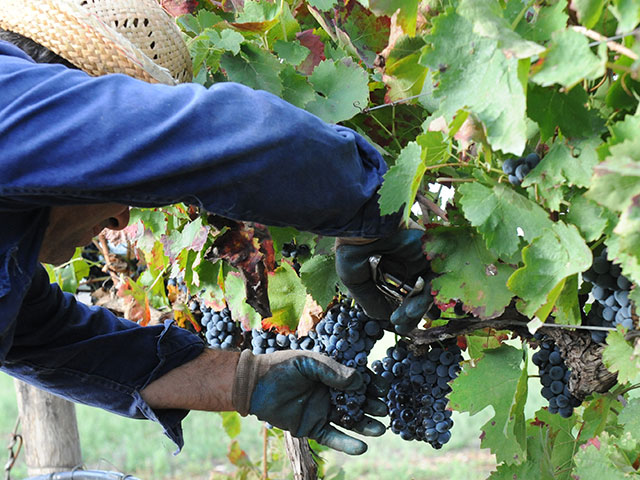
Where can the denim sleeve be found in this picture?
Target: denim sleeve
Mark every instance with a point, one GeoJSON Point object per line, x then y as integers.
{"type": "Point", "coordinates": [237, 152]}
{"type": "Point", "coordinates": [88, 355]}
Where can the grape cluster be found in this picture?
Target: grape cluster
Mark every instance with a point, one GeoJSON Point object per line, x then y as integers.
{"type": "Point", "coordinates": [220, 329]}
{"type": "Point", "coordinates": [294, 252]}
{"type": "Point", "coordinates": [611, 292]}
{"type": "Point", "coordinates": [348, 336]}
{"type": "Point", "coordinates": [419, 384]}
{"type": "Point", "coordinates": [517, 168]}
{"type": "Point", "coordinates": [554, 377]}
{"type": "Point", "coordinates": [269, 341]}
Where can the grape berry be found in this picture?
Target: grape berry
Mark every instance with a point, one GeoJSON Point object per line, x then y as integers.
{"type": "Point", "coordinates": [518, 168]}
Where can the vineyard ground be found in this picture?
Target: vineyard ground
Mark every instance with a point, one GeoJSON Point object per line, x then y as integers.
{"type": "Point", "coordinates": [139, 448]}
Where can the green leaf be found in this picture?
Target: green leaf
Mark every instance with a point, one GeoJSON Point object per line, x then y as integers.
{"type": "Point", "coordinates": [567, 61]}
{"type": "Point", "coordinates": [618, 356]}
{"type": "Point", "coordinates": [231, 423]}
{"type": "Point", "coordinates": [498, 212]}
{"type": "Point", "coordinates": [595, 415]}
{"type": "Point", "coordinates": [320, 278]}
{"type": "Point", "coordinates": [296, 88]}
{"type": "Point", "coordinates": [550, 108]}
{"type": "Point", "coordinates": [567, 305]}
{"type": "Point", "coordinates": [562, 167]}
{"type": "Point", "coordinates": [402, 181]}
{"type": "Point", "coordinates": [617, 180]}
{"type": "Point", "coordinates": [474, 74]}
{"type": "Point", "coordinates": [406, 75]}
{"type": "Point", "coordinates": [287, 297]}
{"type": "Point", "coordinates": [549, 19]}
{"type": "Point", "coordinates": [229, 40]}
{"type": "Point", "coordinates": [590, 218]}
{"type": "Point", "coordinates": [435, 147]}
{"type": "Point", "coordinates": [259, 12]}
{"type": "Point", "coordinates": [557, 440]}
{"type": "Point", "coordinates": [407, 11]}
{"type": "Point", "coordinates": [602, 459]}
{"type": "Point", "coordinates": [235, 295]}
{"type": "Point", "coordinates": [340, 87]}
{"type": "Point", "coordinates": [630, 417]}
{"type": "Point", "coordinates": [627, 12]}
{"type": "Point", "coordinates": [323, 5]}
{"type": "Point", "coordinates": [488, 21]}
{"type": "Point", "coordinates": [467, 271]}
{"type": "Point", "coordinates": [588, 11]}
{"type": "Point", "coordinates": [153, 219]}
{"type": "Point", "coordinates": [291, 52]}
{"type": "Point", "coordinates": [556, 254]}
{"type": "Point", "coordinates": [254, 68]}
{"type": "Point", "coordinates": [476, 389]}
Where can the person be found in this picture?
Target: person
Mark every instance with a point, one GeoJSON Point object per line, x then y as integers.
{"type": "Point", "coordinates": [97, 114]}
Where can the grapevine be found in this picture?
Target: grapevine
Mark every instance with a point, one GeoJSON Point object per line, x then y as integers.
{"type": "Point", "coordinates": [528, 113]}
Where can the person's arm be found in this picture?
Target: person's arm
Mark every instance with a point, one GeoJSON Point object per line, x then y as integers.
{"type": "Point", "coordinates": [204, 383]}
{"type": "Point", "coordinates": [237, 152]}
{"type": "Point", "coordinates": [90, 356]}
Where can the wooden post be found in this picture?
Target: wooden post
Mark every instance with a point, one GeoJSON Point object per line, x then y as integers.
{"type": "Point", "coordinates": [50, 431]}
{"type": "Point", "coordinates": [302, 462]}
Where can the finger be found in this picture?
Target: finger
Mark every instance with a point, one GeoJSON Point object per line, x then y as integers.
{"type": "Point", "coordinates": [334, 438]}
{"type": "Point", "coordinates": [379, 386]}
{"type": "Point", "coordinates": [376, 407]}
{"type": "Point", "coordinates": [369, 427]}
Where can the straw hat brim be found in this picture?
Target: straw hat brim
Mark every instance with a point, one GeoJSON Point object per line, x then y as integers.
{"type": "Point", "coordinates": [80, 37]}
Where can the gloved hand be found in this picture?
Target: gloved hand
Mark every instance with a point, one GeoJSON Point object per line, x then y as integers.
{"type": "Point", "coordinates": [402, 255]}
{"type": "Point", "coordinates": [290, 390]}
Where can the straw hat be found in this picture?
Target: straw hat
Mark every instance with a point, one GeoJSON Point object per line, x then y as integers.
{"type": "Point", "coordinates": [134, 37]}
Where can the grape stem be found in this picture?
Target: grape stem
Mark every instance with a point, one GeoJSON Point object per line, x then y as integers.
{"type": "Point", "coordinates": [616, 47]}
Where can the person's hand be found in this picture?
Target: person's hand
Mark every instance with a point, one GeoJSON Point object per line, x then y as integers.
{"type": "Point", "coordinates": [401, 255]}
{"type": "Point", "coordinates": [290, 390]}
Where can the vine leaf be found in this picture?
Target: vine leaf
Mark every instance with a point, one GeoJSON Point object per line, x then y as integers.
{"type": "Point", "coordinates": [619, 356]}
{"type": "Point", "coordinates": [254, 68]}
{"type": "Point", "coordinates": [291, 52]}
{"type": "Point", "coordinates": [320, 278]}
{"type": "Point", "coordinates": [568, 60]}
{"type": "Point", "coordinates": [548, 20]}
{"type": "Point", "coordinates": [627, 13]}
{"type": "Point", "coordinates": [339, 88]}
{"type": "Point", "coordinates": [588, 11]}
{"type": "Point", "coordinates": [562, 167]}
{"type": "Point", "coordinates": [258, 17]}
{"type": "Point", "coordinates": [402, 181]}
{"type": "Point", "coordinates": [231, 423]}
{"type": "Point", "coordinates": [287, 298]}
{"type": "Point", "coordinates": [315, 45]}
{"type": "Point", "coordinates": [467, 271]}
{"type": "Point", "coordinates": [552, 109]}
{"type": "Point", "coordinates": [557, 253]}
{"type": "Point", "coordinates": [239, 457]}
{"type": "Point", "coordinates": [406, 11]}
{"type": "Point", "coordinates": [404, 76]}
{"type": "Point", "coordinates": [478, 388]}
{"type": "Point", "coordinates": [501, 214]}
{"type": "Point", "coordinates": [474, 74]}
{"type": "Point", "coordinates": [488, 21]}
{"type": "Point", "coordinates": [179, 7]}
{"type": "Point", "coordinates": [249, 248]}
{"type": "Point", "coordinates": [630, 417]}
{"type": "Point", "coordinates": [591, 219]}
{"type": "Point", "coordinates": [606, 458]}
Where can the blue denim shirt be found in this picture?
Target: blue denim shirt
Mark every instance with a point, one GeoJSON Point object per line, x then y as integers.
{"type": "Point", "coordinates": [68, 138]}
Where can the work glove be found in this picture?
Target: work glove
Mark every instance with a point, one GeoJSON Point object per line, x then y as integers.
{"type": "Point", "coordinates": [400, 255]}
{"type": "Point", "coordinates": [290, 390]}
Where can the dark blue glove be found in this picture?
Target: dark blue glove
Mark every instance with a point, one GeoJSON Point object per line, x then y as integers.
{"type": "Point", "coordinates": [402, 256]}
{"type": "Point", "coordinates": [290, 390]}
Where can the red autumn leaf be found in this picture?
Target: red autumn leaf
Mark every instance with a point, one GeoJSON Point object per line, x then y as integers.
{"type": "Point", "coordinates": [179, 7]}
{"type": "Point", "coordinates": [249, 248]}
{"type": "Point", "coordinates": [237, 456]}
{"type": "Point", "coordinates": [314, 43]}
